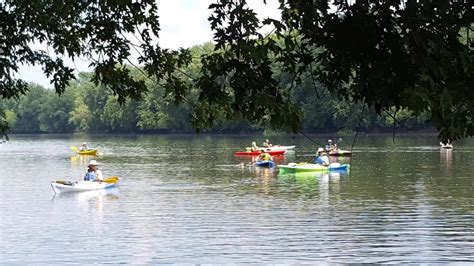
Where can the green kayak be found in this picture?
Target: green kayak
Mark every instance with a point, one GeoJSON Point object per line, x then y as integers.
{"type": "Point", "coordinates": [311, 167]}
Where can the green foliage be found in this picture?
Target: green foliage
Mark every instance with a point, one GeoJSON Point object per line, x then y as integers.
{"type": "Point", "coordinates": [119, 118]}
{"type": "Point", "coordinates": [410, 55]}
{"type": "Point", "coordinates": [96, 30]}
{"type": "Point", "coordinates": [236, 80]}
{"type": "Point", "coordinates": [10, 118]}
{"type": "Point", "coordinates": [325, 61]}
{"type": "Point", "coordinates": [81, 116]}
{"type": "Point", "coordinates": [85, 107]}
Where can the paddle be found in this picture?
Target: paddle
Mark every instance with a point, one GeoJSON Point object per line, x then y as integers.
{"type": "Point", "coordinates": [73, 148]}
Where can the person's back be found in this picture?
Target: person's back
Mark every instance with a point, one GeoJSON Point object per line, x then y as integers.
{"type": "Point", "coordinates": [90, 176]}
{"type": "Point", "coordinates": [265, 157]}
{"type": "Point", "coordinates": [254, 146]}
{"type": "Point", "coordinates": [321, 158]}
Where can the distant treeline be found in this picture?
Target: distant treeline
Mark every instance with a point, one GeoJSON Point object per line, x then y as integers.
{"type": "Point", "coordinates": [87, 107]}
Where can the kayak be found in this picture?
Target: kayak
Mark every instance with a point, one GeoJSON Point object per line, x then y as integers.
{"type": "Point", "coordinates": [273, 153]}
{"type": "Point", "coordinates": [265, 163]}
{"type": "Point", "coordinates": [446, 146]}
{"type": "Point", "coordinates": [87, 152]}
{"type": "Point", "coordinates": [275, 148]}
{"type": "Point", "coordinates": [311, 167]}
{"type": "Point", "coordinates": [340, 153]}
{"type": "Point", "coordinates": [60, 186]}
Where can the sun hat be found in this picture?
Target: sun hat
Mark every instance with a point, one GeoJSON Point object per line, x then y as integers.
{"type": "Point", "coordinates": [320, 150]}
{"type": "Point", "coordinates": [84, 143]}
{"type": "Point", "coordinates": [329, 140]}
{"type": "Point", "coordinates": [93, 162]}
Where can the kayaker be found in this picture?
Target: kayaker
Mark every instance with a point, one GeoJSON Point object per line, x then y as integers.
{"type": "Point", "coordinates": [321, 157]}
{"type": "Point", "coordinates": [254, 146]}
{"type": "Point", "coordinates": [447, 143]}
{"type": "Point", "coordinates": [93, 173]}
{"type": "Point", "coordinates": [267, 143]}
{"type": "Point", "coordinates": [83, 147]}
{"type": "Point", "coordinates": [329, 146]}
{"type": "Point", "coordinates": [264, 157]}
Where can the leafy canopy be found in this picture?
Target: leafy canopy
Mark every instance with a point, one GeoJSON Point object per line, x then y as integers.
{"type": "Point", "coordinates": [408, 54]}
{"type": "Point", "coordinates": [103, 32]}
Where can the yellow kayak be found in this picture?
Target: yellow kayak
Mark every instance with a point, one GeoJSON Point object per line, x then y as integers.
{"type": "Point", "coordinates": [87, 152]}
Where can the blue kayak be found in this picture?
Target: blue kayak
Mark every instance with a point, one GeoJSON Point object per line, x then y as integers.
{"type": "Point", "coordinates": [265, 163]}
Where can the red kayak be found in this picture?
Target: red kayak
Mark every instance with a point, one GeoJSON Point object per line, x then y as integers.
{"type": "Point", "coordinates": [253, 153]}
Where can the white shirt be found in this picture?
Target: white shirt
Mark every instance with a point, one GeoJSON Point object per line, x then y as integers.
{"type": "Point", "coordinates": [99, 175]}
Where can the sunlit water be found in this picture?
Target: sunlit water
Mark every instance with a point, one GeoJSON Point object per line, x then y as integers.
{"type": "Point", "coordinates": [185, 199]}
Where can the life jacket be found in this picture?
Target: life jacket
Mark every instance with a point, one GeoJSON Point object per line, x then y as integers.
{"type": "Point", "coordinates": [90, 176]}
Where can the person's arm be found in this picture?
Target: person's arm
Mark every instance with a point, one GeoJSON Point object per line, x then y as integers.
{"type": "Point", "coordinates": [99, 175]}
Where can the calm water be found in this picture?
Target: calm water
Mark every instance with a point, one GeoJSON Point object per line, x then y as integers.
{"type": "Point", "coordinates": [184, 199]}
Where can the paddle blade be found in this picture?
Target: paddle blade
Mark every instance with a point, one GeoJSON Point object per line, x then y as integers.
{"type": "Point", "coordinates": [73, 148]}
{"type": "Point", "coordinates": [112, 179]}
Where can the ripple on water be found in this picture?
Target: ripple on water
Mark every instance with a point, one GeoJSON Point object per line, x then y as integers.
{"type": "Point", "coordinates": [184, 200]}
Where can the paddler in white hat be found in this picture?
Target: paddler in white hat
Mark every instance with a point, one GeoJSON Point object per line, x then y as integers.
{"type": "Point", "coordinates": [321, 157]}
{"type": "Point", "coordinates": [93, 173]}
{"type": "Point", "coordinates": [83, 147]}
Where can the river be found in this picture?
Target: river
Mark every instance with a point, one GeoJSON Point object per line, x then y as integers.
{"type": "Point", "coordinates": [186, 199]}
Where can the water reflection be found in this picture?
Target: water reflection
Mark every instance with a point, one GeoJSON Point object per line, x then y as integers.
{"type": "Point", "coordinates": [446, 157]}
{"type": "Point", "coordinates": [340, 159]}
{"type": "Point", "coordinates": [80, 160]}
{"type": "Point", "coordinates": [88, 196]}
{"type": "Point", "coordinates": [251, 159]}
{"type": "Point", "coordinates": [322, 185]}
{"type": "Point", "coordinates": [266, 177]}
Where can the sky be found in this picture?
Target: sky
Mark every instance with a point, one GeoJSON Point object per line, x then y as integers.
{"type": "Point", "coordinates": [183, 24]}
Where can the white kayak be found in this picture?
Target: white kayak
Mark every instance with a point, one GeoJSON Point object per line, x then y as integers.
{"type": "Point", "coordinates": [60, 186]}
{"type": "Point", "coordinates": [280, 148]}
{"type": "Point", "coordinates": [446, 146]}
{"type": "Point", "coordinates": [275, 148]}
